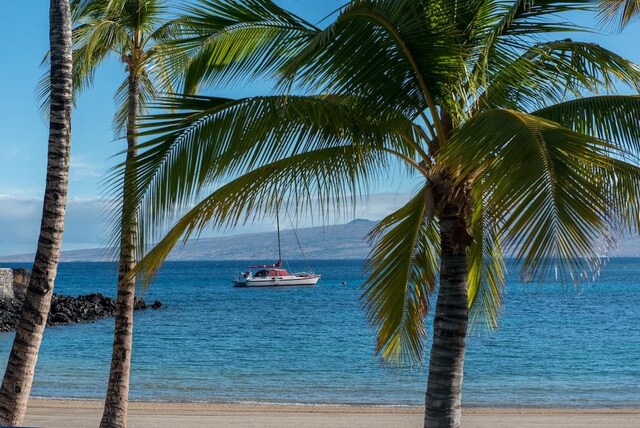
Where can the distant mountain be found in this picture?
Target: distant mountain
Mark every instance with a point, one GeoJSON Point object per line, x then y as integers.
{"type": "Point", "coordinates": [345, 241]}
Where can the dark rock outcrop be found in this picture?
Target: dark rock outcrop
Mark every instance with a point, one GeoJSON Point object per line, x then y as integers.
{"type": "Point", "coordinates": [64, 309]}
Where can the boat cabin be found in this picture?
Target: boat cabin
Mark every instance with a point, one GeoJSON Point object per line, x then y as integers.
{"type": "Point", "coordinates": [271, 272]}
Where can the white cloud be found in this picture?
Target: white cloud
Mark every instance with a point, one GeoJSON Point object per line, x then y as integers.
{"type": "Point", "coordinates": [81, 168]}
{"type": "Point", "coordinates": [20, 223]}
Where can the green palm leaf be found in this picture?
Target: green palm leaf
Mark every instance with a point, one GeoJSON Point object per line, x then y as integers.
{"type": "Point", "coordinates": [407, 44]}
{"type": "Point", "coordinates": [235, 38]}
{"type": "Point", "coordinates": [402, 273]}
{"type": "Point", "coordinates": [619, 13]}
{"type": "Point", "coordinates": [552, 71]}
{"type": "Point", "coordinates": [557, 191]}
{"type": "Point", "coordinates": [515, 25]}
{"type": "Point", "coordinates": [613, 118]}
{"type": "Point", "coordinates": [524, 17]}
{"type": "Point", "coordinates": [486, 269]}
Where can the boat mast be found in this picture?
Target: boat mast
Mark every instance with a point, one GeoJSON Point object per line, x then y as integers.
{"type": "Point", "coordinates": [295, 233]}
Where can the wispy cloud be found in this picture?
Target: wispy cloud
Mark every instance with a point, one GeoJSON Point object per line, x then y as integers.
{"type": "Point", "coordinates": [82, 168]}
{"type": "Point", "coordinates": [20, 223]}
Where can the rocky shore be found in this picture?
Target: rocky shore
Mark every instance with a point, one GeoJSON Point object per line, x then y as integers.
{"type": "Point", "coordinates": [64, 309]}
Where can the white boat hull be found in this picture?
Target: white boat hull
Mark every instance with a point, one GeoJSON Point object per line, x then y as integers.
{"type": "Point", "coordinates": [276, 281]}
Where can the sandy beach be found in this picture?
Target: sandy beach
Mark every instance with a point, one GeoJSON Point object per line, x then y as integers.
{"type": "Point", "coordinates": [81, 414]}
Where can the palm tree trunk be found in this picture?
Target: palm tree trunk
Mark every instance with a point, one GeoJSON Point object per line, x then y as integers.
{"type": "Point", "coordinates": [16, 385]}
{"type": "Point", "coordinates": [444, 386]}
{"type": "Point", "coordinates": [117, 398]}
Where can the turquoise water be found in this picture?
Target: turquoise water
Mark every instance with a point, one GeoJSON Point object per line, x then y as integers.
{"type": "Point", "coordinates": [556, 346]}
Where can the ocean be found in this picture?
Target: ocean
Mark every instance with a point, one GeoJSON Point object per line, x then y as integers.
{"type": "Point", "coordinates": [557, 345]}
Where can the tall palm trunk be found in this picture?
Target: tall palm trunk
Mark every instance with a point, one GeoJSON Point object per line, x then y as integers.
{"type": "Point", "coordinates": [444, 386]}
{"type": "Point", "coordinates": [16, 385]}
{"type": "Point", "coordinates": [117, 399]}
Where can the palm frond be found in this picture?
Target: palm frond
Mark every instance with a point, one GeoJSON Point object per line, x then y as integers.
{"type": "Point", "coordinates": [402, 271]}
{"type": "Point", "coordinates": [515, 26]}
{"type": "Point", "coordinates": [613, 118]}
{"type": "Point", "coordinates": [89, 51]}
{"type": "Point", "coordinates": [510, 20]}
{"type": "Point", "coordinates": [231, 39]}
{"type": "Point", "coordinates": [87, 9]}
{"type": "Point", "coordinates": [555, 191]}
{"type": "Point", "coordinates": [408, 45]}
{"type": "Point", "coordinates": [618, 13]}
{"type": "Point", "coordinates": [99, 38]}
{"type": "Point", "coordinates": [554, 71]}
{"type": "Point", "coordinates": [487, 269]}
{"type": "Point", "coordinates": [165, 63]}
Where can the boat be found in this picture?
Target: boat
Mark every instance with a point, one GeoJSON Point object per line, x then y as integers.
{"type": "Point", "coordinates": [275, 275]}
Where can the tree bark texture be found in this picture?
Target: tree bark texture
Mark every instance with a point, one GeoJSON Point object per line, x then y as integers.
{"type": "Point", "coordinates": [444, 385]}
{"type": "Point", "coordinates": [18, 377]}
{"type": "Point", "coordinates": [117, 398]}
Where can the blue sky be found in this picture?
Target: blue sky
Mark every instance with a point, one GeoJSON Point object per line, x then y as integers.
{"type": "Point", "coordinates": [23, 131]}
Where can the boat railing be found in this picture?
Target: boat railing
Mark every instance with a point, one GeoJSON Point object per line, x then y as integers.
{"type": "Point", "coordinates": [304, 274]}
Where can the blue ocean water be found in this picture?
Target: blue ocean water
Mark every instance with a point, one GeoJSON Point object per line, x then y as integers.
{"type": "Point", "coordinates": [557, 345]}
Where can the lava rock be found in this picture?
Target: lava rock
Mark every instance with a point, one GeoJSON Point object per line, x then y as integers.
{"type": "Point", "coordinates": [64, 309]}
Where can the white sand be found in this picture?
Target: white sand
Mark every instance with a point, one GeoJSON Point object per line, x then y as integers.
{"type": "Point", "coordinates": [82, 414]}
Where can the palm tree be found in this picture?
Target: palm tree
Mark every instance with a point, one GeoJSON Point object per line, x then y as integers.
{"type": "Point", "coordinates": [16, 385]}
{"type": "Point", "coordinates": [130, 31]}
{"type": "Point", "coordinates": [499, 122]}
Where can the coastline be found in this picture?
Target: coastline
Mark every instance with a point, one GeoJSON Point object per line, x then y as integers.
{"type": "Point", "coordinates": [81, 413]}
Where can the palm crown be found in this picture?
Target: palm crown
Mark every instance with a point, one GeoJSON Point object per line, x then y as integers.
{"type": "Point", "coordinates": [504, 125]}
{"type": "Point", "coordinates": [130, 31]}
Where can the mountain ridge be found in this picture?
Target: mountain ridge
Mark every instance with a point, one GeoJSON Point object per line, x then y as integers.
{"type": "Point", "coordinates": [342, 241]}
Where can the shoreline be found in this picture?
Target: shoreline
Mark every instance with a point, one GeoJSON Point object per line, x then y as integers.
{"type": "Point", "coordinates": [505, 407]}
{"type": "Point", "coordinates": [81, 413]}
